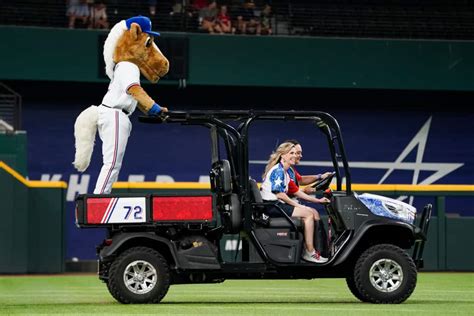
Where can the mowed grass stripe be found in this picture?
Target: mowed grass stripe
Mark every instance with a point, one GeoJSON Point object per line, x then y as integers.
{"type": "Point", "coordinates": [436, 294]}
{"type": "Point", "coordinates": [232, 309]}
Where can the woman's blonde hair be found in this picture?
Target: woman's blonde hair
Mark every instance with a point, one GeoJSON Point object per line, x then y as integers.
{"type": "Point", "coordinates": [275, 157]}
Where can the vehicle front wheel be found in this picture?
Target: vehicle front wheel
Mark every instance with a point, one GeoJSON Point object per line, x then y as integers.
{"type": "Point", "coordinates": [140, 275]}
{"type": "Point", "coordinates": [354, 290]}
{"type": "Point", "coordinates": [384, 274]}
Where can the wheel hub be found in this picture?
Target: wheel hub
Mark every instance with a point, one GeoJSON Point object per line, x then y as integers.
{"type": "Point", "coordinates": [140, 277]}
{"type": "Point", "coordinates": [386, 275]}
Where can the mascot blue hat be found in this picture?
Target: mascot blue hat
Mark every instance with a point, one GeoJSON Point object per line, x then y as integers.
{"type": "Point", "coordinates": [144, 22]}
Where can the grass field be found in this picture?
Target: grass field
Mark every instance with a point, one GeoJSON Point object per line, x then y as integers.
{"type": "Point", "coordinates": [436, 293]}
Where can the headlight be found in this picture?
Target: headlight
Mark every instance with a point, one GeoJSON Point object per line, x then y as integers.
{"type": "Point", "coordinates": [387, 207]}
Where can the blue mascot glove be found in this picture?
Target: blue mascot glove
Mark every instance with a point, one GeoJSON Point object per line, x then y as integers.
{"type": "Point", "coordinates": [155, 110]}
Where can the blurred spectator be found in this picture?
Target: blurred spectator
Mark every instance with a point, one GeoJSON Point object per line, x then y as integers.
{"type": "Point", "coordinates": [99, 15]}
{"type": "Point", "coordinates": [208, 18]}
{"type": "Point", "coordinates": [183, 16]}
{"type": "Point", "coordinates": [177, 8]}
{"type": "Point", "coordinates": [182, 7]}
{"type": "Point", "coordinates": [152, 7]}
{"type": "Point", "coordinates": [223, 20]}
{"type": "Point", "coordinates": [246, 19]}
{"type": "Point", "coordinates": [197, 5]}
{"type": "Point", "coordinates": [266, 16]}
{"type": "Point", "coordinates": [77, 9]}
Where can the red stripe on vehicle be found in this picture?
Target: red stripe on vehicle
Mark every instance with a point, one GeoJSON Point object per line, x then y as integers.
{"type": "Point", "coordinates": [107, 211]}
{"type": "Point", "coordinates": [96, 209]}
{"type": "Point", "coordinates": [114, 204]}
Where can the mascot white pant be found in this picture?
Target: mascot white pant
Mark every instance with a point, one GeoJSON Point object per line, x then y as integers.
{"type": "Point", "coordinates": [114, 128]}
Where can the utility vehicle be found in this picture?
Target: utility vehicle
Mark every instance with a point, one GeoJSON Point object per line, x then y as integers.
{"type": "Point", "coordinates": [156, 240]}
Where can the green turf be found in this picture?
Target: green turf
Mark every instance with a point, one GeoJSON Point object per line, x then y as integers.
{"type": "Point", "coordinates": [436, 293]}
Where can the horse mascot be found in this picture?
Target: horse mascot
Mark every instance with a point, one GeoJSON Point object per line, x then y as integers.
{"type": "Point", "coordinates": [128, 51]}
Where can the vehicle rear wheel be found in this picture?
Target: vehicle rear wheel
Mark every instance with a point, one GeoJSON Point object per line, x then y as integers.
{"type": "Point", "coordinates": [384, 274]}
{"type": "Point", "coordinates": [139, 275]}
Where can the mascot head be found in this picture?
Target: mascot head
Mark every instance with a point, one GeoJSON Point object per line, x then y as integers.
{"type": "Point", "coordinates": [132, 40]}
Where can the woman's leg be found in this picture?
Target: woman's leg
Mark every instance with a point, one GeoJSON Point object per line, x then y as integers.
{"type": "Point", "coordinates": [315, 213]}
{"type": "Point", "coordinates": [308, 220]}
{"type": "Point", "coordinates": [318, 238]}
{"type": "Point", "coordinates": [321, 239]}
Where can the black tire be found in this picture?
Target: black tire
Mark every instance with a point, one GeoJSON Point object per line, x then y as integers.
{"type": "Point", "coordinates": [353, 288]}
{"type": "Point", "coordinates": [384, 274]}
{"type": "Point", "coordinates": [150, 281]}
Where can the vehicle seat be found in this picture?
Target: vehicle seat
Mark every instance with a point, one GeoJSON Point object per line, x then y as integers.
{"type": "Point", "coordinates": [229, 203]}
{"type": "Point", "coordinates": [259, 208]}
{"type": "Point", "coordinates": [221, 177]}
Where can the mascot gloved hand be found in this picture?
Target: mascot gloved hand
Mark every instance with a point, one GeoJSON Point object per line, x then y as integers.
{"type": "Point", "coordinates": [128, 51]}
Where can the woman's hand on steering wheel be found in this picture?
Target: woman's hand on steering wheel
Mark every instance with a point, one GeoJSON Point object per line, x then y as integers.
{"type": "Point", "coordinates": [324, 182]}
{"type": "Point", "coordinates": [325, 175]}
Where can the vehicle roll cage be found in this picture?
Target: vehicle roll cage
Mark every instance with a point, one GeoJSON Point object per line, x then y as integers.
{"type": "Point", "coordinates": [223, 123]}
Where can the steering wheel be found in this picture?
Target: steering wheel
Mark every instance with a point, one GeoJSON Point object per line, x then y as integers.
{"type": "Point", "coordinates": [323, 184]}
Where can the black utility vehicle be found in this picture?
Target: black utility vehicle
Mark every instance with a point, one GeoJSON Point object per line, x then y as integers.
{"type": "Point", "coordinates": [156, 240]}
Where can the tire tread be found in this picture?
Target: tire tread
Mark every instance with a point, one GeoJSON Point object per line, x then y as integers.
{"type": "Point", "coordinates": [113, 287]}
{"type": "Point", "coordinates": [359, 269]}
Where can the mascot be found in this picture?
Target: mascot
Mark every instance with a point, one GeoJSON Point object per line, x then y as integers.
{"type": "Point", "coordinates": [128, 51]}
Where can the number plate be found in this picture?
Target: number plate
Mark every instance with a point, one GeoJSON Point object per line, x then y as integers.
{"type": "Point", "coordinates": [116, 210]}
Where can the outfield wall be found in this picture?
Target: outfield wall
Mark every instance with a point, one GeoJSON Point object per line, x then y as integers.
{"type": "Point", "coordinates": [13, 150]}
{"type": "Point", "coordinates": [274, 61]}
{"type": "Point", "coordinates": [32, 230]}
